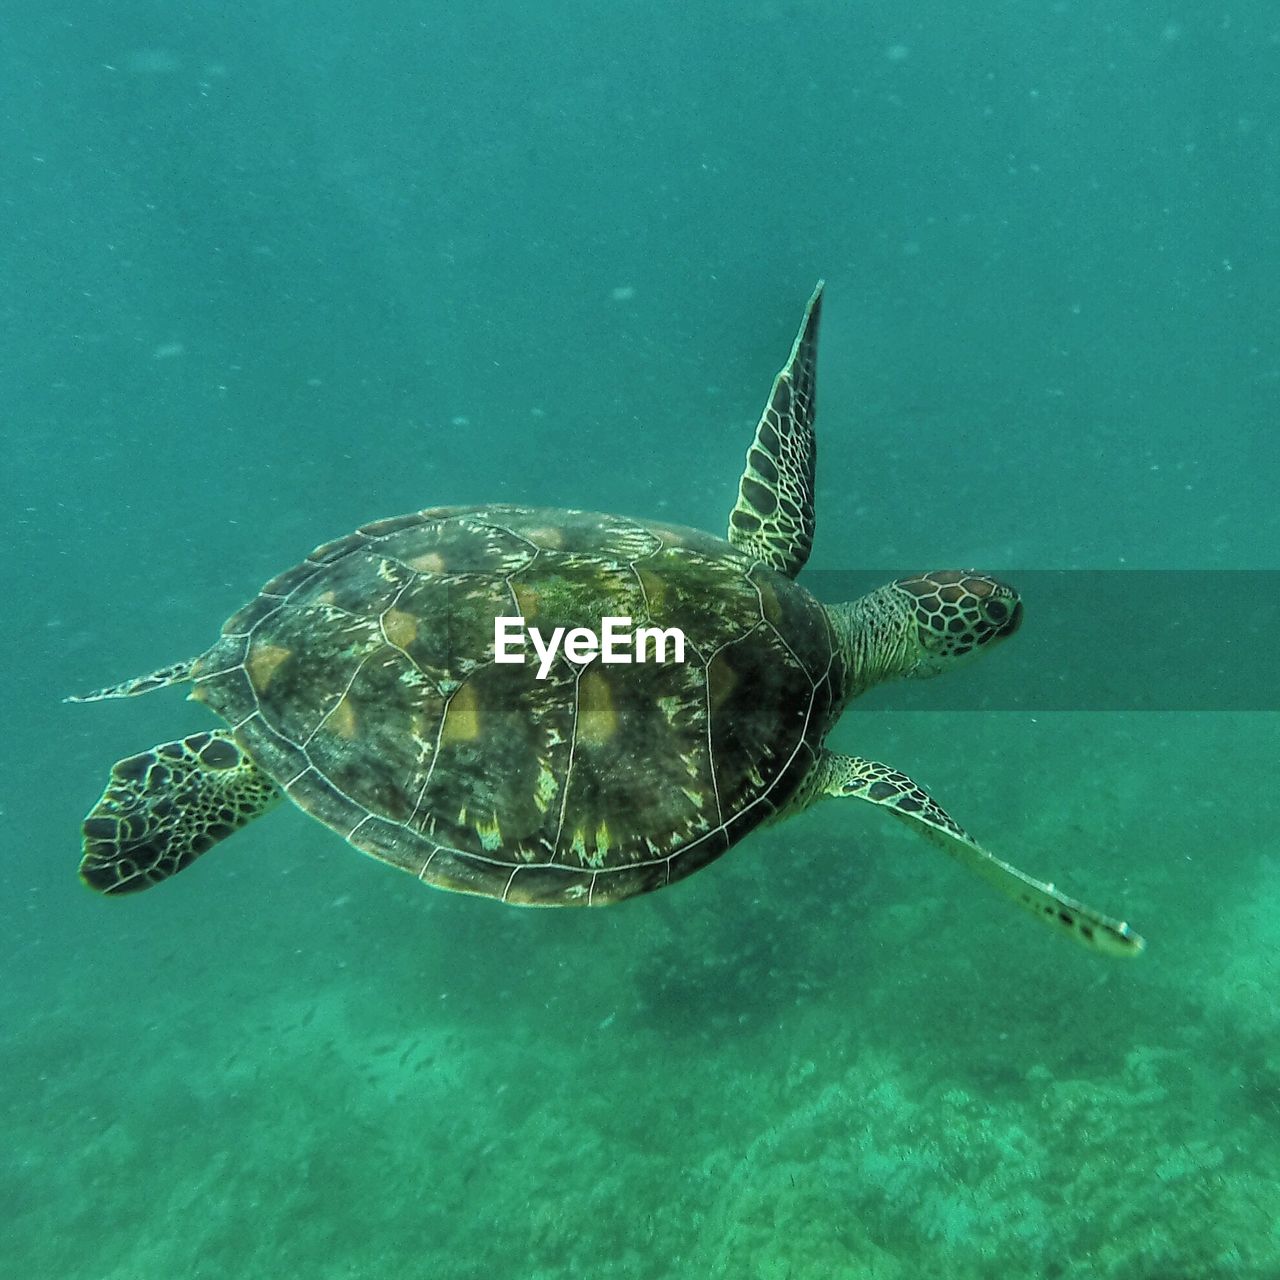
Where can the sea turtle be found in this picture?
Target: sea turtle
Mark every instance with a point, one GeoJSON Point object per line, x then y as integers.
{"type": "Point", "coordinates": [373, 686]}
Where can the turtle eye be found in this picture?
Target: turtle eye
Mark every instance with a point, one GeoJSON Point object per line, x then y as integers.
{"type": "Point", "coordinates": [1004, 615]}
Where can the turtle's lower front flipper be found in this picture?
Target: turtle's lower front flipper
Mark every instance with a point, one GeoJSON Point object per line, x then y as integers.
{"type": "Point", "coordinates": [162, 809]}
{"type": "Point", "coordinates": [837, 775]}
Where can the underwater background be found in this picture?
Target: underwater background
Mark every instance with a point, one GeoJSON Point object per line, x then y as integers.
{"type": "Point", "coordinates": [272, 271]}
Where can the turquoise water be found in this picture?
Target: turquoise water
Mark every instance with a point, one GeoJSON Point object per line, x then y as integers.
{"type": "Point", "coordinates": [273, 272]}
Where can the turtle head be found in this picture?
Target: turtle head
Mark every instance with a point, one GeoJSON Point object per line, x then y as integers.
{"type": "Point", "coordinates": [922, 626]}
{"type": "Point", "coordinates": [956, 614]}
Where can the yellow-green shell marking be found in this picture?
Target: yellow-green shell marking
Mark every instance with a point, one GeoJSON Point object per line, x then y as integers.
{"type": "Point", "coordinates": [364, 682]}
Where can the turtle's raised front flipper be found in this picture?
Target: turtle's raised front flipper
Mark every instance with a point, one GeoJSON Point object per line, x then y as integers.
{"type": "Point", "coordinates": [175, 673]}
{"type": "Point", "coordinates": [836, 775]}
{"type": "Point", "coordinates": [162, 809]}
{"type": "Point", "coordinates": [773, 517]}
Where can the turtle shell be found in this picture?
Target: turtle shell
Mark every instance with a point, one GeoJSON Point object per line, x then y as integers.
{"type": "Point", "coordinates": [364, 682]}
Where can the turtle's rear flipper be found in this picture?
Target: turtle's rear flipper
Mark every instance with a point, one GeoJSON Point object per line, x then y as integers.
{"type": "Point", "coordinates": [162, 809]}
{"type": "Point", "coordinates": [837, 775]}
{"type": "Point", "coordinates": [174, 673]}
